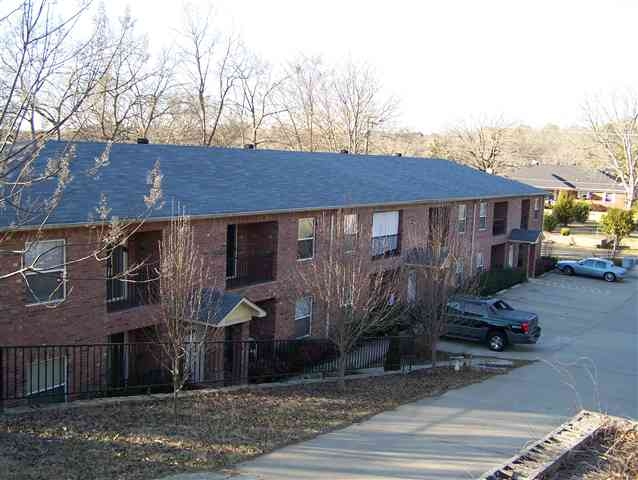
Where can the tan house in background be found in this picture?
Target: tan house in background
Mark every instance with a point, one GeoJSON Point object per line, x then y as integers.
{"type": "Point", "coordinates": [594, 186]}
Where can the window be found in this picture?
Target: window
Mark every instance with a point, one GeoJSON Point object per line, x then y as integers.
{"type": "Point", "coordinates": [46, 278]}
{"type": "Point", "coordinates": [305, 238]}
{"type": "Point", "coordinates": [584, 195]}
{"type": "Point", "coordinates": [385, 233]}
{"type": "Point", "coordinates": [303, 316]}
{"type": "Point", "coordinates": [483, 216]}
{"type": "Point", "coordinates": [350, 230]}
{"type": "Point", "coordinates": [411, 286]}
{"type": "Point", "coordinates": [46, 377]}
{"type": "Point", "coordinates": [480, 261]}
{"type": "Point", "coordinates": [608, 197]}
{"type": "Point", "coordinates": [462, 217]}
{"type": "Point", "coordinates": [537, 207]}
{"type": "Point", "coordinates": [116, 265]}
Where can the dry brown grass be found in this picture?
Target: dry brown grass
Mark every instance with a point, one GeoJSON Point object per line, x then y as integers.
{"type": "Point", "coordinates": [612, 455]}
{"type": "Point", "coordinates": [142, 441]}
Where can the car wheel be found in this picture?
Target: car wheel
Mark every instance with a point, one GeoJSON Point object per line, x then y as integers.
{"type": "Point", "coordinates": [609, 277]}
{"type": "Point", "coordinates": [568, 270]}
{"type": "Point", "coordinates": [496, 341]}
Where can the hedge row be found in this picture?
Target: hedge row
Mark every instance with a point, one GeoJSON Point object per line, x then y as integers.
{"type": "Point", "coordinates": [496, 280]}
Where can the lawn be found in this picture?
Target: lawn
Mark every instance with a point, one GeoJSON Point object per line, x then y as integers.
{"type": "Point", "coordinates": [214, 430]}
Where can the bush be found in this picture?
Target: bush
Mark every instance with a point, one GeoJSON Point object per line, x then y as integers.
{"type": "Point", "coordinates": [545, 264]}
{"type": "Point", "coordinates": [617, 223]}
{"type": "Point", "coordinates": [498, 279]}
{"type": "Point", "coordinates": [581, 211]}
{"type": "Point", "coordinates": [565, 231]}
{"type": "Point", "coordinates": [549, 223]}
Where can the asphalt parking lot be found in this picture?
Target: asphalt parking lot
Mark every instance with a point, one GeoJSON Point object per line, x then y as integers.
{"type": "Point", "coordinates": [588, 324]}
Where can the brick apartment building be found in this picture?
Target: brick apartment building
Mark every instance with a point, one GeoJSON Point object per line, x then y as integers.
{"type": "Point", "coordinates": [255, 214]}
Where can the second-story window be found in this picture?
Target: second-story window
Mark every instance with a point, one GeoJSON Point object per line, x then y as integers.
{"type": "Point", "coordinates": [537, 207]}
{"type": "Point", "coordinates": [483, 216]}
{"type": "Point", "coordinates": [116, 265]}
{"type": "Point", "coordinates": [462, 217]}
{"type": "Point", "coordinates": [350, 230]}
{"type": "Point", "coordinates": [305, 238]}
{"type": "Point", "coordinates": [45, 262]}
{"type": "Point", "coordinates": [385, 233]}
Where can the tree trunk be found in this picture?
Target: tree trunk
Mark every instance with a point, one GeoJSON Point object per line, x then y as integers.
{"type": "Point", "coordinates": [342, 371]}
{"type": "Point", "coordinates": [433, 352]}
{"type": "Point", "coordinates": [176, 381]}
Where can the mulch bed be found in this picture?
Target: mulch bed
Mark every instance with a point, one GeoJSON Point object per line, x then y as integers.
{"type": "Point", "coordinates": [612, 455]}
{"type": "Point", "coordinates": [143, 441]}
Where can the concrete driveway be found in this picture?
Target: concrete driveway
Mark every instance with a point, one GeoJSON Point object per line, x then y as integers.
{"type": "Point", "coordinates": [588, 359]}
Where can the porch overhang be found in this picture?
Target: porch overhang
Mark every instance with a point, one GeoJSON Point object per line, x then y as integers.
{"type": "Point", "coordinates": [520, 235]}
{"type": "Point", "coordinates": [226, 309]}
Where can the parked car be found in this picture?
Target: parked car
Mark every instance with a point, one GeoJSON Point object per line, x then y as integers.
{"type": "Point", "coordinates": [492, 321]}
{"type": "Point", "coordinates": [592, 267]}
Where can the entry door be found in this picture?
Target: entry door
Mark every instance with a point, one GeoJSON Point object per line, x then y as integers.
{"type": "Point", "coordinates": [233, 357]}
{"type": "Point", "coordinates": [118, 360]}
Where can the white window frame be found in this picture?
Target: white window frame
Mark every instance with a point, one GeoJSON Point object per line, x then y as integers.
{"type": "Point", "coordinates": [299, 239]}
{"type": "Point", "coordinates": [462, 220]}
{"type": "Point", "coordinates": [29, 377]}
{"type": "Point", "coordinates": [480, 261]}
{"type": "Point", "coordinates": [309, 316]}
{"type": "Point", "coordinates": [382, 234]}
{"type": "Point", "coordinates": [125, 284]}
{"type": "Point", "coordinates": [346, 232]}
{"type": "Point", "coordinates": [60, 268]}
{"type": "Point", "coordinates": [537, 207]}
{"type": "Point", "coordinates": [482, 211]}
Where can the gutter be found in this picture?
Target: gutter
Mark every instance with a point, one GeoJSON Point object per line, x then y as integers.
{"type": "Point", "coordinates": [53, 226]}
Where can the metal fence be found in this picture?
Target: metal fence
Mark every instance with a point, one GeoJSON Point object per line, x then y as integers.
{"type": "Point", "coordinates": [61, 373]}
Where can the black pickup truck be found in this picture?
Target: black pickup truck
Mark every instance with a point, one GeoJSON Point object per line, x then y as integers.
{"type": "Point", "coordinates": [492, 321]}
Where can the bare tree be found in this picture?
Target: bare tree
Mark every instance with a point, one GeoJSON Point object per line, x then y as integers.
{"type": "Point", "coordinates": [437, 267]}
{"type": "Point", "coordinates": [187, 302]}
{"type": "Point", "coordinates": [212, 66]}
{"type": "Point", "coordinates": [359, 106]}
{"type": "Point", "coordinates": [480, 144]}
{"type": "Point", "coordinates": [257, 102]}
{"type": "Point", "coordinates": [354, 295]}
{"type": "Point", "coordinates": [615, 130]}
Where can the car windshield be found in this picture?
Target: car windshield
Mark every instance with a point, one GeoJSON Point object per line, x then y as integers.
{"type": "Point", "coordinates": [501, 305]}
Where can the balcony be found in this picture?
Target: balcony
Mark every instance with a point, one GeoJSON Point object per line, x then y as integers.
{"type": "Point", "coordinates": [250, 270]}
{"type": "Point", "coordinates": [251, 256]}
{"type": "Point", "coordinates": [140, 290]}
{"type": "Point", "coordinates": [385, 246]}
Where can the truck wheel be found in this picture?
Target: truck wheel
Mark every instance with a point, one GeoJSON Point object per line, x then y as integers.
{"type": "Point", "coordinates": [496, 341]}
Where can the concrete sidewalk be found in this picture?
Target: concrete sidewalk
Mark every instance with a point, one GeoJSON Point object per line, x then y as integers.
{"type": "Point", "coordinates": [465, 432]}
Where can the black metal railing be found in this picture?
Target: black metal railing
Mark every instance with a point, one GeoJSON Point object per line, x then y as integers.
{"type": "Point", "coordinates": [250, 269]}
{"type": "Point", "coordinates": [499, 226]}
{"type": "Point", "coordinates": [385, 246]}
{"type": "Point", "coordinates": [62, 373]}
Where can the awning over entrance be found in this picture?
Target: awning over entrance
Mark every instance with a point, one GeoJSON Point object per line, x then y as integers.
{"type": "Point", "coordinates": [520, 235]}
{"type": "Point", "coordinates": [228, 309]}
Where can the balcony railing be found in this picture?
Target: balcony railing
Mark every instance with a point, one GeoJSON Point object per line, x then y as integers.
{"type": "Point", "coordinates": [385, 246]}
{"type": "Point", "coordinates": [247, 270]}
{"type": "Point", "coordinates": [500, 226]}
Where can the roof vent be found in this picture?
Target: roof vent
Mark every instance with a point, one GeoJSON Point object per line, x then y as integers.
{"type": "Point", "coordinates": [398, 154]}
{"type": "Point", "coordinates": [142, 141]}
{"type": "Point", "coordinates": [344, 151]}
{"type": "Point", "coordinates": [249, 146]}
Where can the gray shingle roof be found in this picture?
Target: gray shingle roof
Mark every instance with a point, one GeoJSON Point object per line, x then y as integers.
{"type": "Point", "coordinates": [565, 177]}
{"type": "Point", "coordinates": [218, 182]}
{"type": "Point", "coordinates": [520, 235]}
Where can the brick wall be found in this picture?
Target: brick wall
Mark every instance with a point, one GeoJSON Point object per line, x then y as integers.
{"type": "Point", "coordinates": [83, 317]}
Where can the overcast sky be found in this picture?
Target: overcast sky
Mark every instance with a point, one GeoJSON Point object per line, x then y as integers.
{"type": "Point", "coordinates": [534, 62]}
